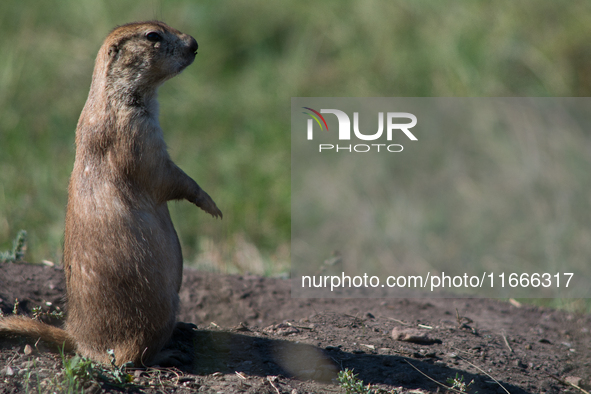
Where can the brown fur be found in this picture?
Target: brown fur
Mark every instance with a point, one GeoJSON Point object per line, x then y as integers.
{"type": "Point", "coordinates": [20, 325]}
{"type": "Point", "coordinates": [122, 257]}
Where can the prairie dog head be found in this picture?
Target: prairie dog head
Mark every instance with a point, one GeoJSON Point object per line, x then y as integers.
{"type": "Point", "coordinates": [137, 58]}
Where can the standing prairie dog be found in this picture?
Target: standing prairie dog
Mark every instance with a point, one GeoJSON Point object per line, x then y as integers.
{"type": "Point", "coordinates": [122, 257]}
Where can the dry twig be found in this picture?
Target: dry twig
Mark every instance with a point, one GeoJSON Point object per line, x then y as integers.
{"type": "Point", "coordinates": [433, 380]}
{"type": "Point", "coordinates": [567, 383]}
{"type": "Point", "coordinates": [506, 342]}
{"type": "Point", "coordinates": [270, 380]}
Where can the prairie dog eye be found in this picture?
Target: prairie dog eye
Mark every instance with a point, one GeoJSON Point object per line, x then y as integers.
{"type": "Point", "coordinates": [153, 36]}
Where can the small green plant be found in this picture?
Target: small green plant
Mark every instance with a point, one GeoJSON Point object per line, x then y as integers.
{"type": "Point", "coordinates": [77, 371]}
{"type": "Point", "coordinates": [15, 307]}
{"type": "Point", "coordinates": [19, 246]}
{"type": "Point", "coordinates": [38, 313]}
{"type": "Point", "coordinates": [459, 384]}
{"type": "Point", "coordinates": [118, 375]}
{"type": "Point", "coordinates": [352, 384]}
{"type": "Point", "coordinates": [28, 376]}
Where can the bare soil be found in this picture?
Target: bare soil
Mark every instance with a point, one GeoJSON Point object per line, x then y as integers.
{"type": "Point", "coordinates": [252, 337]}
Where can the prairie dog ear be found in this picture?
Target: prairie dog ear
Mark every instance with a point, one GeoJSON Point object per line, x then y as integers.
{"type": "Point", "coordinates": [113, 50]}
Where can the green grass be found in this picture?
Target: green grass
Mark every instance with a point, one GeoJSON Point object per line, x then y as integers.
{"type": "Point", "coordinates": [226, 118]}
{"type": "Point", "coordinates": [17, 253]}
{"type": "Point", "coordinates": [352, 384]}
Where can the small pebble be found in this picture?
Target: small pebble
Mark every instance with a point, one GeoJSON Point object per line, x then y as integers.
{"type": "Point", "coordinates": [28, 350]}
{"type": "Point", "coordinates": [520, 364]}
{"type": "Point", "coordinates": [413, 335]}
{"type": "Point", "coordinates": [573, 380]}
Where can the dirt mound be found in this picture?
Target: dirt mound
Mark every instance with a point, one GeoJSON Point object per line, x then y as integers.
{"type": "Point", "coordinates": [253, 337]}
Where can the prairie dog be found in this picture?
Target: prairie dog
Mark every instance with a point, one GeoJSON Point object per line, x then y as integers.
{"type": "Point", "coordinates": [122, 257]}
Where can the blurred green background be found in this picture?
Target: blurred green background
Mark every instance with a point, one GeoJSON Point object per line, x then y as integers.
{"type": "Point", "coordinates": [226, 119]}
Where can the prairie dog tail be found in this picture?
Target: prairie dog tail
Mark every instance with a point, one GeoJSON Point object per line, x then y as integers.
{"type": "Point", "coordinates": [27, 327]}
